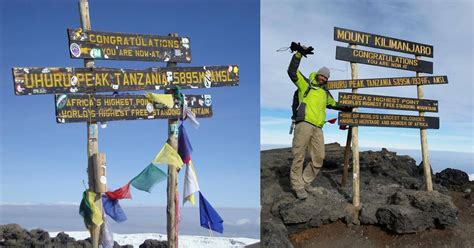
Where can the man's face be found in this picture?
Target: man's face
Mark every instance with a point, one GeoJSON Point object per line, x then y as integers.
{"type": "Point", "coordinates": [321, 79]}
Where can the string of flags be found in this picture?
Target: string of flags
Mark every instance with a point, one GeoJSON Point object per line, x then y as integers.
{"type": "Point", "coordinates": [145, 181]}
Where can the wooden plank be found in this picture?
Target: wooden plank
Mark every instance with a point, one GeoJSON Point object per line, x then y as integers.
{"type": "Point", "coordinates": [388, 102]}
{"type": "Point", "coordinates": [382, 42]}
{"type": "Point", "coordinates": [386, 82]}
{"type": "Point", "coordinates": [45, 80]}
{"type": "Point", "coordinates": [386, 120]}
{"type": "Point", "coordinates": [103, 108]}
{"type": "Point", "coordinates": [384, 60]}
{"type": "Point", "coordinates": [88, 44]}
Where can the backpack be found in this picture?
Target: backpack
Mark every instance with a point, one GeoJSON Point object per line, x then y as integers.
{"type": "Point", "coordinates": [296, 103]}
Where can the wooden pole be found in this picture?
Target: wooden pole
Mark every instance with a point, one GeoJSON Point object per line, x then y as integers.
{"type": "Point", "coordinates": [172, 231]}
{"type": "Point", "coordinates": [355, 155]}
{"type": "Point", "coordinates": [92, 132]}
{"type": "Point", "coordinates": [424, 141]}
{"type": "Point", "coordinates": [347, 150]}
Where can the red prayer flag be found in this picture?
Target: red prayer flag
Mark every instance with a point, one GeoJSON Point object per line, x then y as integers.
{"type": "Point", "coordinates": [121, 193]}
{"type": "Point", "coordinates": [343, 127]}
{"type": "Point", "coordinates": [332, 121]}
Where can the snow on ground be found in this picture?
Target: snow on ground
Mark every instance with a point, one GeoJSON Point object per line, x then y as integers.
{"type": "Point", "coordinates": [184, 240]}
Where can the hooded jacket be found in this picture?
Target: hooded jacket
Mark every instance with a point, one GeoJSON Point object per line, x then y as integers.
{"type": "Point", "coordinates": [313, 98]}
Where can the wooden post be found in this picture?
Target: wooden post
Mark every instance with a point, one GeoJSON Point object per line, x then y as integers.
{"type": "Point", "coordinates": [92, 132]}
{"type": "Point", "coordinates": [100, 173]}
{"type": "Point", "coordinates": [424, 142]}
{"type": "Point", "coordinates": [355, 155]}
{"type": "Point", "coordinates": [172, 232]}
{"type": "Point", "coordinates": [347, 149]}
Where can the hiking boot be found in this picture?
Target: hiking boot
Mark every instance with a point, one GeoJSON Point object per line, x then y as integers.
{"type": "Point", "coordinates": [310, 189]}
{"type": "Point", "coordinates": [301, 194]}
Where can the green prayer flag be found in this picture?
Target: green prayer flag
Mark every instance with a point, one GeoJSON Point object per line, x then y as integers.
{"type": "Point", "coordinates": [150, 176]}
{"type": "Point", "coordinates": [85, 211]}
{"type": "Point", "coordinates": [91, 213]}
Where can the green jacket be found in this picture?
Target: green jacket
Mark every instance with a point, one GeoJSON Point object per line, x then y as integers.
{"type": "Point", "coordinates": [313, 99]}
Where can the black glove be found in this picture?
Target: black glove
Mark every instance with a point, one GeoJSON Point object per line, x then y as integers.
{"type": "Point", "coordinates": [301, 49]}
{"type": "Point", "coordinates": [346, 108]}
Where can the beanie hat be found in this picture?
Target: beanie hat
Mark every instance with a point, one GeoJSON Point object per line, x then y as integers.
{"type": "Point", "coordinates": [324, 71]}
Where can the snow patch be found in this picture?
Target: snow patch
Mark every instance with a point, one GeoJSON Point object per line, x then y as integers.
{"type": "Point", "coordinates": [185, 241]}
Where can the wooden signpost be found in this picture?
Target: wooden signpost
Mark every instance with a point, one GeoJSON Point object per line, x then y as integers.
{"type": "Point", "coordinates": [386, 120]}
{"type": "Point", "coordinates": [388, 102]}
{"type": "Point", "coordinates": [76, 99]}
{"type": "Point", "coordinates": [104, 108]}
{"type": "Point", "coordinates": [386, 82]}
{"type": "Point", "coordinates": [33, 81]}
{"type": "Point", "coordinates": [355, 119]}
{"type": "Point", "coordinates": [384, 60]}
{"type": "Point", "coordinates": [88, 44]}
{"type": "Point", "coordinates": [382, 42]}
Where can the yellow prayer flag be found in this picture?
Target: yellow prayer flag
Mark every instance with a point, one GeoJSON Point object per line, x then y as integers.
{"type": "Point", "coordinates": [190, 198]}
{"type": "Point", "coordinates": [168, 155]}
{"type": "Point", "coordinates": [96, 217]}
{"type": "Point", "coordinates": [165, 99]}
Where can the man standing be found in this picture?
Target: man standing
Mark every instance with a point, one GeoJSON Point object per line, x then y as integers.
{"type": "Point", "coordinates": [313, 98]}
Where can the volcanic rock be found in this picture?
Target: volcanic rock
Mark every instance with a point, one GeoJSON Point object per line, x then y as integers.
{"type": "Point", "coordinates": [392, 190]}
{"type": "Point", "coordinates": [453, 179]}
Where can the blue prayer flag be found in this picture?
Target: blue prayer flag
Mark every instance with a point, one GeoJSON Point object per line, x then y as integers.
{"type": "Point", "coordinates": [210, 219]}
{"type": "Point", "coordinates": [184, 146]}
{"type": "Point", "coordinates": [112, 208]}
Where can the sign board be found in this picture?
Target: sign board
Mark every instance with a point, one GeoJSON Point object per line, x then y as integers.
{"type": "Point", "coordinates": [382, 42]}
{"type": "Point", "coordinates": [32, 81]}
{"type": "Point", "coordinates": [103, 108]}
{"type": "Point", "coordinates": [384, 60]}
{"type": "Point", "coordinates": [386, 82]}
{"type": "Point", "coordinates": [122, 46]}
{"type": "Point", "coordinates": [387, 102]}
{"type": "Point", "coordinates": [386, 120]}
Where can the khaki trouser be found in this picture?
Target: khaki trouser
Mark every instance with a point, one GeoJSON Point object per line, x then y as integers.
{"type": "Point", "coordinates": [312, 136]}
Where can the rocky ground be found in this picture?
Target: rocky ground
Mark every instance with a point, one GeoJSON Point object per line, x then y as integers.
{"type": "Point", "coordinates": [13, 235]}
{"type": "Point", "coordinates": [395, 210]}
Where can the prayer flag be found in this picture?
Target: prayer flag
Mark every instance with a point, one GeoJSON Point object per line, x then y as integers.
{"type": "Point", "coordinates": [121, 193]}
{"type": "Point", "coordinates": [91, 213]}
{"type": "Point", "coordinates": [168, 155]}
{"type": "Point", "coordinates": [332, 121]}
{"type": "Point", "coordinates": [210, 219]}
{"type": "Point", "coordinates": [191, 185]}
{"type": "Point", "coordinates": [165, 99]}
{"type": "Point", "coordinates": [112, 208]}
{"type": "Point", "coordinates": [150, 176]}
{"type": "Point", "coordinates": [107, 237]}
{"type": "Point", "coordinates": [184, 146]}
{"type": "Point", "coordinates": [192, 117]}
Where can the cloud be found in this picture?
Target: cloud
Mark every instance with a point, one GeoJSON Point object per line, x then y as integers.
{"type": "Point", "coordinates": [240, 222]}
{"type": "Point", "coordinates": [471, 177]}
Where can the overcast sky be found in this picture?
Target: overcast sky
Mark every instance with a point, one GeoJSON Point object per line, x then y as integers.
{"type": "Point", "coordinates": [447, 25]}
